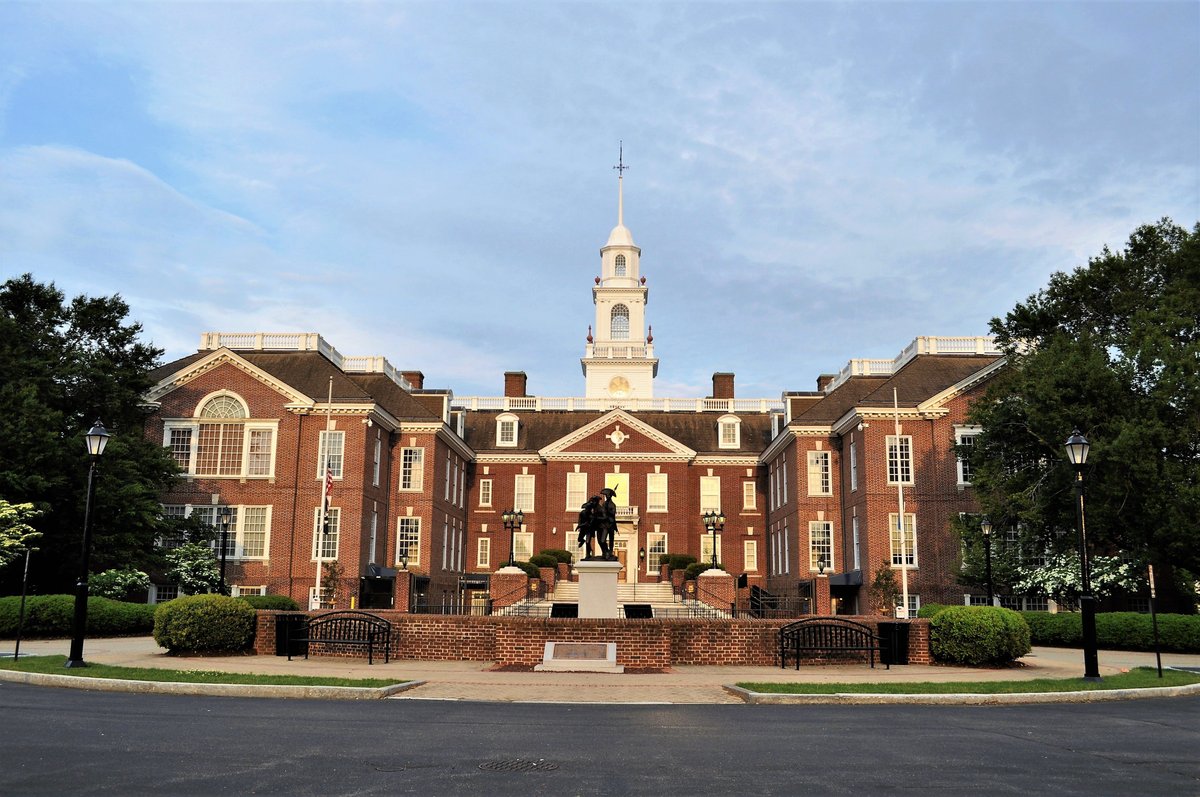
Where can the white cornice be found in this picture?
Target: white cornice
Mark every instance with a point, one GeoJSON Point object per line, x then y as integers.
{"type": "Point", "coordinates": [675, 449]}
{"type": "Point", "coordinates": [508, 459]}
{"type": "Point", "coordinates": [957, 389]}
{"type": "Point", "coordinates": [718, 460]}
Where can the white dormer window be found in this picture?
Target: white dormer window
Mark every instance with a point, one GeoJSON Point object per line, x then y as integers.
{"type": "Point", "coordinates": [506, 431]}
{"type": "Point", "coordinates": [620, 322]}
{"type": "Point", "coordinates": [729, 428]}
{"type": "Point", "coordinates": [619, 266]}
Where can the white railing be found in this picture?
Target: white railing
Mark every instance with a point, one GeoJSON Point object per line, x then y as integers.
{"type": "Point", "coordinates": [922, 345]}
{"type": "Point", "coordinates": [301, 341]}
{"type": "Point", "coordinates": [375, 365]}
{"type": "Point", "coordinates": [561, 404]}
{"type": "Point", "coordinates": [600, 351]}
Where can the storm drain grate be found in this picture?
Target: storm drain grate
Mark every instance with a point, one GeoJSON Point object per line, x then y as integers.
{"type": "Point", "coordinates": [519, 765]}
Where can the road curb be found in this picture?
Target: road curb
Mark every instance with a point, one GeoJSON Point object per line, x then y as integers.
{"type": "Point", "coordinates": [967, 699]}
{"type": "Point", "coordinates": [219, 690]}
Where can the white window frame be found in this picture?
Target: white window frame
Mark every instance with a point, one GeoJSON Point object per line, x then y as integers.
{"type": "Point", "coordinates": [853, 466]}
{"type": "Point", "coordinates": [654, 541]}
{"type": "Point", "coordinates": [619, 266]}
{"type": "Point", "coordinates": [483, 553]}
{"type": "Point", "coordinates": [857, 543]}
{"type": "Point", "coordinates": [335, 526]}
{"type": "Point", "coordinates": [622, 333]}
{"type": "Point", "coordinates": [749, 495]}
{"type": "Point", "coordinates": [508, 430]}
{"type": "Point", "coordinates": [408, 527]}
{"type": "Point", "coordinates": [577, 491]}
{"type": "Point", "coordinates": [250, 428]}
{"type": "Point", "coordinates": [161, 593]}
{"type": "Point", "coordinates": [378, 459]}
{"type": "Point", "coordinates": [820, 473]}
{"type": "Point", "coordinates": [910, 523]}
{"type": "Point", "coordinates": [485, 492]}
{"type": "Point", "coordinates": [750, 556]}
{"type": "Point", "coordinates": [706, 547]}
{"type": "Point", "coordinates": [710, 493]}
{"type": "Point", "coordinates": [412, 468]}
{"type": "Point", "coordinates": [820, 541]}
{"type": "Point", "coordinates": [522, 545]}
{"type": "Point", "coordinates": [962, 434]}
{"type": "Point", "coordinates": [524, 492]}
{"type": "Point", "coordinates": [236, 541]}
{"type": "Point", "coordinates": [331, 449]}
{"type": "Point", "coordinates": [239, 590]}
{"type": "Point", "coordinates": [657, 492]}
{"type": "Point", "coordinates": [729, 432]}
{"type": "Point", "coordinates": [899, 459]}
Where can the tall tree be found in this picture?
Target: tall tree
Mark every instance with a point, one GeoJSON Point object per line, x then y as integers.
{"type": "Point", "coordinates": [62, 366]}
{"type": "Point", "coordinates": [1112, 349]}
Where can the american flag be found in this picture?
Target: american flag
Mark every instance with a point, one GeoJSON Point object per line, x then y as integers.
{"type": "Point", "coordinates": [328, 484]}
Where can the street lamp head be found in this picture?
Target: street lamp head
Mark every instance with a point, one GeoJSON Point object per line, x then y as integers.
{"type": "Point", "coordinates": [985, 526]}
{"type": "Point", "coordinates": [97, 439]}
{"type": "Point", "coordinates": [1077, 449]}
{"type": "Point", "coordinates": [821, 566]}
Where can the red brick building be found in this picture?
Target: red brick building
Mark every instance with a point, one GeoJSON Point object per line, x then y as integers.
{"type": "Point", "coordinates": [810, 483]}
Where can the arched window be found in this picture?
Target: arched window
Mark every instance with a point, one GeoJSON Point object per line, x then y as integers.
{"type": "Point", "coordinates": [620, 322]}
{"type": "Point", "coordinates": [506, 430]}
{"type": "Point", "coordinates": [221, 440]}
{"type": "Point", "coordinates": [223, 406]}
{"type": "Point", "coordinates": [619, 266]}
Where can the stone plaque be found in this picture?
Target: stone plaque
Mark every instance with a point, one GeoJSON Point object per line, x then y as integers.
{"type": "Point", "coordinates": [580, 650]}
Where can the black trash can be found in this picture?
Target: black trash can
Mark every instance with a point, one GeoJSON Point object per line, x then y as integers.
{"type": "Point", "coordinates": [893, 643]}
{"type": "Point", "coordinates": [290, 625]}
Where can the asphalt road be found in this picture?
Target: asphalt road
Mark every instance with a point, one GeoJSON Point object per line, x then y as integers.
{"type": "Point", "coordinates": [56, 741]}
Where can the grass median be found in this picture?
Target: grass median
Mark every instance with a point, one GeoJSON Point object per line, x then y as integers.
{"type": "Point", "coordinates": [1139, 678]}
{"type": "Point", "coordinates": [53, 665]}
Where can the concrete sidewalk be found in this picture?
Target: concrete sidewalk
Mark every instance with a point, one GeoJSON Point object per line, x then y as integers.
{"type": "Point", "coordinates": [471, 680]}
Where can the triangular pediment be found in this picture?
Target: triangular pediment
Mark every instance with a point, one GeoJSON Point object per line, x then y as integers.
{"type": "Point", "coordinates": [216, 359]}
{"type": "Point", "coordinates": [617, 435]}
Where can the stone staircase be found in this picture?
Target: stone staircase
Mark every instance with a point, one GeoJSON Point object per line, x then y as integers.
{"type": "Point", "coordinates": [658, 596]}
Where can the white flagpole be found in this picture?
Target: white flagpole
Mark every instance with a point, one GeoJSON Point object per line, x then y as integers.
{"type": "Point", "coordinates": [903, 613]}
{"type": "Point", "coordinates": [320, 531]}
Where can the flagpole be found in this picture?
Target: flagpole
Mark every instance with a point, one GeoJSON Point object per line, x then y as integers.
{"type": "Point", "coordinates": [320, 535]}
{"type": "Point", "coordinates": [900, 518]}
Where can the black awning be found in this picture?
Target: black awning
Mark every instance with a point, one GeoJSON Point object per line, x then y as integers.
{"type": "Point", "coordinates": [379, 571]}
{"type": "Point", "coordinates": [851, 579]}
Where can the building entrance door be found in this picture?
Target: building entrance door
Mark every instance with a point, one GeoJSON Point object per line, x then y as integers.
{"type": "Point", "coordinates": [621, 550]}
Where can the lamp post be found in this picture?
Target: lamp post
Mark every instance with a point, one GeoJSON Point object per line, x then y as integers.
{"type": "Point", "coordinates": [224, 516]}
{"type": "Point", "coordinates": [512, 521]}
{"type": "Point", "coordinates": [821, 563]}
{"type": "Point", "coordinates": [1077, 451]}
{"type": "Point", "coordinates": [985, 526]}
{"type": "Point", "coordinates": [97, 439]}
{"type": "Point", "coordinates": [714, 521]}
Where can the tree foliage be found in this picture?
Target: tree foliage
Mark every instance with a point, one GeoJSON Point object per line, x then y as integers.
{"type": "Point", "coordinates": [63, 365]}
{"type": "Point", "coordinates": [1112, 349]}
{"type": "Point", "coordinates": [16, 534]}
{"type": "Point", "coordinates": [194, 568]}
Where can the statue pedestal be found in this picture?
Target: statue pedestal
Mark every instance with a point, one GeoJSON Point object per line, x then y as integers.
{"type": "Point", "coordinates": [598, 588]}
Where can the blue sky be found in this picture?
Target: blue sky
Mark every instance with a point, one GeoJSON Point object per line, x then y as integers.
{"type": "Point", "coordinates": [809, 182]}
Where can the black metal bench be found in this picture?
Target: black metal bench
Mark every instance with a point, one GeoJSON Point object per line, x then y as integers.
{"type": "Point", "coordinates": [826, 635]}
{"type": "Point", "coordinates": [343, 629]}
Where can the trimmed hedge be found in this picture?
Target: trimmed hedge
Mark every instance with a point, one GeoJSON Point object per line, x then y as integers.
{"type": "Point", "coordinates": [282, 602]}
{"type": "Point", "coordinates": [201, 623]}
{"type": "Point", "coordinates": [929, 610]}
{"type": "Point", "coordinates": [52, 616]}
{"type": "Point", "coordinates": [976, 635]}
{"type": "Point", "coordinates": [677, 561]}
{"type": "Point", "coordinates": [543, 560]}
{"type": "Point", "coordinates": [696, 568]}
{"type": "Point", "coordinates": [565, 557]}
{"type": "Point", "coordinates": [1177, 633]}
{"type": "Point", "coordinates": [530, 569]}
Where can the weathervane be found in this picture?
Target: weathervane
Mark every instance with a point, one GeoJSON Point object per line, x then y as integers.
{"type": "Point", "coordinates": [621, 167]}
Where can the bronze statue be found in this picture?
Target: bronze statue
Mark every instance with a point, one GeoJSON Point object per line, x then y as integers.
{"type": "Point", "coordinates": [598, 521]}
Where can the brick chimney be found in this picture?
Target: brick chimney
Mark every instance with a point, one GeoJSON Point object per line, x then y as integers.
{"type": "Point", "coordinates": [722, 385]}
{"type": "Point", "coordinates": [823, 381]}
{"type": "Point", "coordinates": [514, 384]}
{"type": "Point", "coordinates": [415, 378]}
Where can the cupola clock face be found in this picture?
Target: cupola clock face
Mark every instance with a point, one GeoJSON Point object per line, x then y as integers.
{"type": "Point", "coordinates": [618, 387]}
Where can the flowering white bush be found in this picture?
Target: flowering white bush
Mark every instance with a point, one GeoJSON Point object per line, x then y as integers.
{"type": "Point", "coordinates": [194, 568]}
{"type": "Point", "coordinates": [1059, 578]}
{"type": "Point", "coordinates": [117, 584]}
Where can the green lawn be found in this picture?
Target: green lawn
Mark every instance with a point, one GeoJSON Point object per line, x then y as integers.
{"type": "Point", "coordinates": [1140, 678]}
{"type": "Point", "coordinates": [53, 665]}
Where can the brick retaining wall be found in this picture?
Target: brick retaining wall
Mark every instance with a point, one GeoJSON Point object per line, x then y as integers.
{"type": "Point", "coordinates": [641, 644]}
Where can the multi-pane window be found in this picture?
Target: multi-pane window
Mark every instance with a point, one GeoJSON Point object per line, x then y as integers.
{"type": "Point", "coordinates": [161, 593]}
{"type": "Point", "coordinates": [966, 440]}
{"type": "Point", "coordinates": [258, 457]}
{"type": "Point", "coordinates": [749, 496]}
{"type": "Point", "coordinates": [253, 532]}
{"type": "Point", "coordinates": [819, 481]}
{"type": "Point", "coordinates": [656, 492]}
{"type": "Point", "coordinates": [620, 322]}
{"type": "Point", "coordinates": [523, 542]}
{"type": "Point", "coordinates": [332, 454]}
{"type": "Point", "coordinates": [656, 547]}
{"type": "Point", "coordinates": [219, 449]}
{"type": "Point", "coordinates": [750, 555]}
{"type": "Point", "coordinates": [899, 459]}
{"type": "Point", "coordinates": [483, 554]}
{"type": "Point", "coordinates": [377, 460]}
{"type": "Point", "coordinates": [576, 491]}
{"type": "Point", "coordinates": [325, 541]}
{"type": "Point", "coordinates": [180, 443]}
{"type": "Point", "coordinates": [485, 492]}
{"type": "Point", "coordinates": [221, 441]}
{"type": "Point", "coordinates": [173, 539]}
{"type": "Point", "coordinates": [523, 492]}
{"type": "Point", "coordinates": [857, 551]}
{"type": "Point", "coordinates": [853, 466]}
{"type": "Point", "coordinates": [506, 431]}
{"type": "Point", "coordinates": [412, 469]}
{"type": "Point", "coordinates": [408, 539]}
{"type": "Point", "coordinates": [820, 544]}
{"type": "Point", "coordinates": [619, 266]}
{"type": "Point", "coordinates": [730, 432]}
{"type": "Point", "coordinates": [706, 547]}
{"type": "Point", "coordinates": [904, 546]}
{"type": "Point", "coordinates": [248, 534]}
{"type": "Point", "coordinates": [710, 493]}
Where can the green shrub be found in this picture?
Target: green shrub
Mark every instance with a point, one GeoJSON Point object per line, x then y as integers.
{"type": "Point", "coordinates": [543, 560]}
{"type": "Point", "coordinates": [931, 609]}
{"type": "Point", "coordinates": [679, 561]}
{"type": "Point", "coordinates": [530, 569]}
{"type": "Point", "coordinates": [976, 635]}
{"type": "Point", "coordinates": [53, 615]}
{"type": "Point", "coordinates": [1179, 633]}
{"type": "Point", "coordinates": [696, 568]}
{"type": "Point", "coordinates": [281, 602]}
{"type": "Point", "coordinates": [565, 557]}
{"type": "Point", "coordinates": [1063, 630]}
{"type": "Point", "coordinates": [196, 623]}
